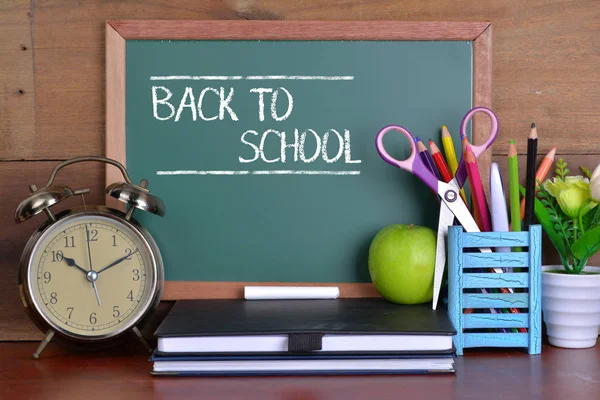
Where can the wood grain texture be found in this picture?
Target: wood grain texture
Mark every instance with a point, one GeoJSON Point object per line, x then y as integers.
{"type": "Point", "coordinates": [496, 340]}
{"type": "Point", "coordinates": [535, 290]}
{"type": "Point", "coordinates": [175, 290]}
{"type": "Point", "coordinates": [483, 260]}
{"type": "Point", "coordinates": [298, 30]}
{"type": "Point", "coordinates": [490, 239]}
{"type": "Point", "coordinates": [124, 372]}
{"type": "Point", "coordinates": [115, 105]}
{"type": "Point", "coordinates": [69, 46]}
{"type": "Point", "coordinates": [484, 321]}
{"type": "Point", "coordinates": [17, 120]}
{"type": "Point", "coordinates": [482, 97]}
{"type": "Point", "coordinates": [15, 178]}
{"type": "Point", "coordinates": [495, 300]}
{"type": "Point", "coordinates": [494, 280]}
{"type": "Point", "coordinates": [455, 284]}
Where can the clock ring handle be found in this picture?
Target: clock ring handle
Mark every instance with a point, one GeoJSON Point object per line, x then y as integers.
{"type": "Point", "coordinates": [136, 196]}
{"type": "Point", "coordinates": [85, 159]}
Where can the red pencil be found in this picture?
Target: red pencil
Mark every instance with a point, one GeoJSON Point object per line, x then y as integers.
{"type": "Point", "coordinates": [438, 158]}
{"type": "Point", "coordinates": [475, 211]}
{"type": "Point", "coordinates": [477, 188]}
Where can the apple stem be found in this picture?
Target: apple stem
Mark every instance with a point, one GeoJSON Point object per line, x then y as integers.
{"type": "Point", "coordinates": [411, 226]}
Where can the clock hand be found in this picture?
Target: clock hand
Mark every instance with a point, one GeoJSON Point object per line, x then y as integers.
{"type": "Point", "coordinates": [97, 296]}
{"type": "Point", "coordinates": [118, 261]}
{"type": "Point", "coordinates": [87, 239]}
{"type": "Point", "coordinates": [71, 263]}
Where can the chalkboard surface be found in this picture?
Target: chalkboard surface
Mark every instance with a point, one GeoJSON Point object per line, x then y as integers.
{"type": "Point", "coordinates": [264, 151]}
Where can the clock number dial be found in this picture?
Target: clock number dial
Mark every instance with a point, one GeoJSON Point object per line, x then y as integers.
{"type": "Point", "coordinates": [69, 241]}
{"type": "Point", "coordinates": [93, 235]}
{"type": "Point", "coordinates": [118, 265]}
{"type": "Point", "coordinates": [57, 256]}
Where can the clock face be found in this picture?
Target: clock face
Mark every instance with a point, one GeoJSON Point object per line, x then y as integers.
{"type": "Point", "coordinates": [92, 275]}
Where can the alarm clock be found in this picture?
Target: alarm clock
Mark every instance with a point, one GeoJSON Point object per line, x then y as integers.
{"type": "Point", "coordinates": [91, 274]}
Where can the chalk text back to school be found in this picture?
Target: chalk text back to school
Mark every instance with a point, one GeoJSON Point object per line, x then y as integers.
{"type": "Point", "coordinates": [216, 104]}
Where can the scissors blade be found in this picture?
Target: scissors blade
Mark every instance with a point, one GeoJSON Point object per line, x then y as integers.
{"type": "Point", "coordinates": [448, 193]}
{"type": "Point", "coordinates": [460, 211]}
{"type": "Point", "coordinates": [445, 219]}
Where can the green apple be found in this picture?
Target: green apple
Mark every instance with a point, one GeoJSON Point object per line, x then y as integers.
{"type": "Point", "coordinates": [402, 263]}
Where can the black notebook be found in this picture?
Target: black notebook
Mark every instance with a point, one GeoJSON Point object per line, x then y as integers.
{"type": "Point", "coordinates": [303, 326]}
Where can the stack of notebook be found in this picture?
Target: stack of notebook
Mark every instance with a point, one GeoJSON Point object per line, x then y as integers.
{"type": "Point", "coordinates": [303, 337]}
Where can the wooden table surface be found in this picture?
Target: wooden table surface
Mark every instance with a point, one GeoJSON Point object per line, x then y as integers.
{"type": "Point", "coordinates": [124, 373]}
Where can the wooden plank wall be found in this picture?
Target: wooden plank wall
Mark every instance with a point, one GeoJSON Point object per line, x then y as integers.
{"type": "Point", "coordinates": [545, 69]}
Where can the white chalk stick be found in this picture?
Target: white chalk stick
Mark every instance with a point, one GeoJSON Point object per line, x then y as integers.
{"type": "Point", "coordinates": [290, 292]}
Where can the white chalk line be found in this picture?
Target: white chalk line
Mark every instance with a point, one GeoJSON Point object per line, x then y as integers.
{"type": "Point", "coordinates": [265, 172]}
{"type": "Point", "coordinates": [195, 78]}
{"type": "Point", "coordinates": [300, 172]}
{"type": "Point", "coordinates": [252, 78]}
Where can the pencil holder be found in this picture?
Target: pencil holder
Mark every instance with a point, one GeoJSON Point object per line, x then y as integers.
{"type": "Point", "coordinates": [480, 299]}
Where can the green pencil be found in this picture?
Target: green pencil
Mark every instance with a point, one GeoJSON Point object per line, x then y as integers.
{"type": "Point", "coordinates": [513, 186]}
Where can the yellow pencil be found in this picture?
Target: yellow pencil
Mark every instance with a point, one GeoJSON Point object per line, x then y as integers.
{"type": "Point", "coordinates": [448, 145]}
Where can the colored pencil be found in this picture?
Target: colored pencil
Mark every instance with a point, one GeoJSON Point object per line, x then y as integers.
{"type": "Point", "coordinates": [442, 167]}
{"type": "Point", "coordinates": [448, 145]}
{"type": "Point", "coordinates": [474, 208]}
{"type": "Point", "coordinates": [542, 171]}
{"type": "Point", "coordinates": [532, 143]}
{"type": "Point", "coordinates": [426, 157]}
{"type": "Point", "coordinates": [477, 189]}
{"type": "Point", "coordinates": [513, 188]}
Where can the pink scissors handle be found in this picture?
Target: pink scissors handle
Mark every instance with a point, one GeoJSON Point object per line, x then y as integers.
{"type": "Point", "coordinates": [412, 164]}
{"type": "Point", "coordinates": [461, 172]}
{"type": "Point", "coordinates": [478, 149]}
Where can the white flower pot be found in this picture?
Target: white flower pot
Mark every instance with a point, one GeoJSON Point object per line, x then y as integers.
{"type": "Point", "coordinates": [571, 307]}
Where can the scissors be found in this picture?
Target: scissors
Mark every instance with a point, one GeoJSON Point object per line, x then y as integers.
{"type": "Point", "coordinates": [451, 205]}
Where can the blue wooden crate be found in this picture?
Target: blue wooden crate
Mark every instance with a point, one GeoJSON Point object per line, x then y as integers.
{"type": "Point", "coordinates": [473, 271]}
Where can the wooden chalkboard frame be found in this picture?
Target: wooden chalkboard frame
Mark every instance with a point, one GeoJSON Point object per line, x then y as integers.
{"type": "Point", "coordinates": [118, 32]}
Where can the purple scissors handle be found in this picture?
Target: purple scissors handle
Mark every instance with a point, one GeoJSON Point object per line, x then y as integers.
{"type": "Point", "coordinates": [412, 164]}
{"type": "Point", "coordinates": [461, 172]}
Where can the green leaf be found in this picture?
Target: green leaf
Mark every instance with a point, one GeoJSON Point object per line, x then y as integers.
{"type": "Point", "coordinates": [586, 172]}
{"type": "Point", "coordinates": [587, 245]}
{"type": "Point", "coordinates": [546, 220]}
{"type": "Point", "coordinates": [561, 169]}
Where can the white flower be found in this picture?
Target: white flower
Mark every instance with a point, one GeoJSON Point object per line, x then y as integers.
{"type": "Point", "coordinates": [595, 184]}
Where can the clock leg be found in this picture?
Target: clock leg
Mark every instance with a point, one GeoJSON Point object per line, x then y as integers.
{"type": "Point", "coordinates": [47, 338]}
{"type": "Point", "coordinates": [141, 338]}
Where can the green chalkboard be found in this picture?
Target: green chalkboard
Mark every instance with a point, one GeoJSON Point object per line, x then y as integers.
{"type": "Point", "coordinates": [235, 210]}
